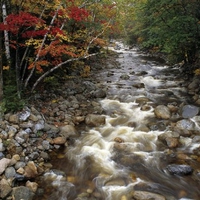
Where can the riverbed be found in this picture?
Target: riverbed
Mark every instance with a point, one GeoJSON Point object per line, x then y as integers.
{"type": "Point", "coordinates": [134, 154]}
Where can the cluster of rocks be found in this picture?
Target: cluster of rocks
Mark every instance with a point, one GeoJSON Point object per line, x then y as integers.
{"type": "Point", "coordinates": [28, 137]}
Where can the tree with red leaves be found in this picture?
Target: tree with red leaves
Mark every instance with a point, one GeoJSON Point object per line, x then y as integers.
{"type": "Point", "coordinates": [46, 37]}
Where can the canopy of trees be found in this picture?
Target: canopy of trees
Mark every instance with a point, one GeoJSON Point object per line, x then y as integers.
{"type": "Point", "coordinates": [38, 37]}
{"type": "Point", "coordinates": [170, 26]}
{"type": "Point", "coordinates": [42, 36]}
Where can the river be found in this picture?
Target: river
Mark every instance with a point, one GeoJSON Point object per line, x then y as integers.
{"type": "Point", "coordinates": [124, 159]}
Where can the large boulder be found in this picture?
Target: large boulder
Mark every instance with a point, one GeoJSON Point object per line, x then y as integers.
{"type": "Point", "coordinates": [67, 131]}
{"type": "Point", "coordinates": [162, 112]}
{"type": "Point", "coordinates": [22, 192]}
{"type": "Point", "coordinates": [189, 111]}
{"type": "Point", "coordinates": [185, 124]}
{"type": "Point", "coordinates": [179, 169]}
{"type": "Point", "coordinates": [95, 120]}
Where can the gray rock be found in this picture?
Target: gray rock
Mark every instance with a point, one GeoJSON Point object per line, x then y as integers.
{"type": "Point", "coordinates": [2, 148]}
{"type": "Point", "coordinates": [25, 114]}
{"type": "Point", "coordinates": [179, 169]}
{"type": "Point", "coordinates": [194, 84]}
{"type": "Point", "coordinates": [185, 124]}
{"type": "Point", "coordinates": [20, 164]}
{"type": "Point", "coordinates": [89, 85]}
{"type": "Point", "coordinates": [124, 77]}
{"type": "Point", "coordinates": [99, 93]}
{"type": "Point", "coordinates": [22, 192]}
{"type": "Point", "coordinates": [4, 134]}
{"type": "Point", "coordinates": [44, 155]}
{"type": "Point", "coordinates": [50, 129]}
{"type": "Point", "coordinates": [10, 172]}
{"type": "Point", "coordinates": [162, 112]}
{"type": "Point", "coordinates": [67, 131]}
{"type": "Point", "coordinates": [46, 145]}
{"type": "Point", "coordinates": [189, 111]}
{"type": "Point", "coordinates": [38, 127]}
{"type": "Point", "coordinates": [34, 156]}
{"type": "Point", "coordinates": [1, 155]}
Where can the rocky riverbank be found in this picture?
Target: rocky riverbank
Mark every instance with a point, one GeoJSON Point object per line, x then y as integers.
{"type": "Point", "coordinates": [54, 119]}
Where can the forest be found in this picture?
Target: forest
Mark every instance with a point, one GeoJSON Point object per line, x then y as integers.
{"type": "Point", "coordinates": [40, 40]}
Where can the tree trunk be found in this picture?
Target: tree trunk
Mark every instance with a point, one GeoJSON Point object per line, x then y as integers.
{"type": "Point", "coordinates": [6, 36]}
{"type": "Point", "coordinates": [2, 106]}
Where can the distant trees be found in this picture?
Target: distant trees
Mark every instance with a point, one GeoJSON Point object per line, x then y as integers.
{"type": "Point", "coordinates": [170, 26]}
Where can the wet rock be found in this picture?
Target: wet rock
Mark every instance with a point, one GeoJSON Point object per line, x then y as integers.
{"type": "Point", "coordinates": [138, 85]}
{"type": "Point", "coordinates": [185, 124]}
{"type": "Point", "coordinates": [124, 77]}
{"type": "Point", "coordinates": [189, 111]}
{"type": "Point", "coordinates": [116, 181]}
{"type": "Point", "coordinates": [4, 163]}
{"type": "Point", "coordinates": [142, 73]}
{"type": "Point", "coordinates": [142, 127]}
{"type": "Point", "coordinates": [95, 120]}
{"type": "Point", "coordinates": [5, 188]}
{"type": "Point", "coordinates": [172, 142]}
{"type": "Point", "coordinates": [67, 131]}
{"type": "Point", "coordinates": [181, 170]}
{"type": "Point", "coordinates": [194, 84]}
{"type": "Point", "coordinates": [59, 140]}
{"type": "Point", "coordinates": [22, 192]}
{"type": "Point", "coordinates": [145, 107]}
{"type": "Point", "coordinates": [119, 140]}
{"type": "Point", "coordinates": [33, 186]}
{"type": "Point", "coordinates": [142, 100]}
{"type": "Point", "coordinates": [89, 85]}
{"type": "Point", "coordinates": [157, 126]}
{"type": "Point", "coordinates": [30, 170]}
{"type": "Point", "coordinates": [99, 93]}
{"type": "Point", "coordinates": [162, 137]}
{"type": "Point", "coordinates": [143, 195]}
{"type": "Point", "coordinates": [44, 155]}
{"type": "Point", "coordinates": [34, 156]}
{"type": "Point", "coordinates": [162, 112]}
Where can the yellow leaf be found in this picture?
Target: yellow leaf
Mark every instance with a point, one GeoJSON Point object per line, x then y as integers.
{"type": "Point", "coordinates": [6, 67]}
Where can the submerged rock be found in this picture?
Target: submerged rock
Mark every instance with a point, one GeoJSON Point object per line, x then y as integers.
{"type": "Point", "coordinates": [95, 120]}
{"type": "Point", "coordinates": [179, 169]}
{"type": "Point", "coordinates": [22, 192]}
{"type": "Point", "coordinates": [143, 195]}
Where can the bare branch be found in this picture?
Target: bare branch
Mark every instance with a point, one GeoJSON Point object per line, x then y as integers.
{"type": "Point", "coordinates": [57, 67]}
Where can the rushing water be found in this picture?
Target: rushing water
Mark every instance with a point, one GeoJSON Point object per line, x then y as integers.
{"type": "Point", "coordinates": [113, 160]}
